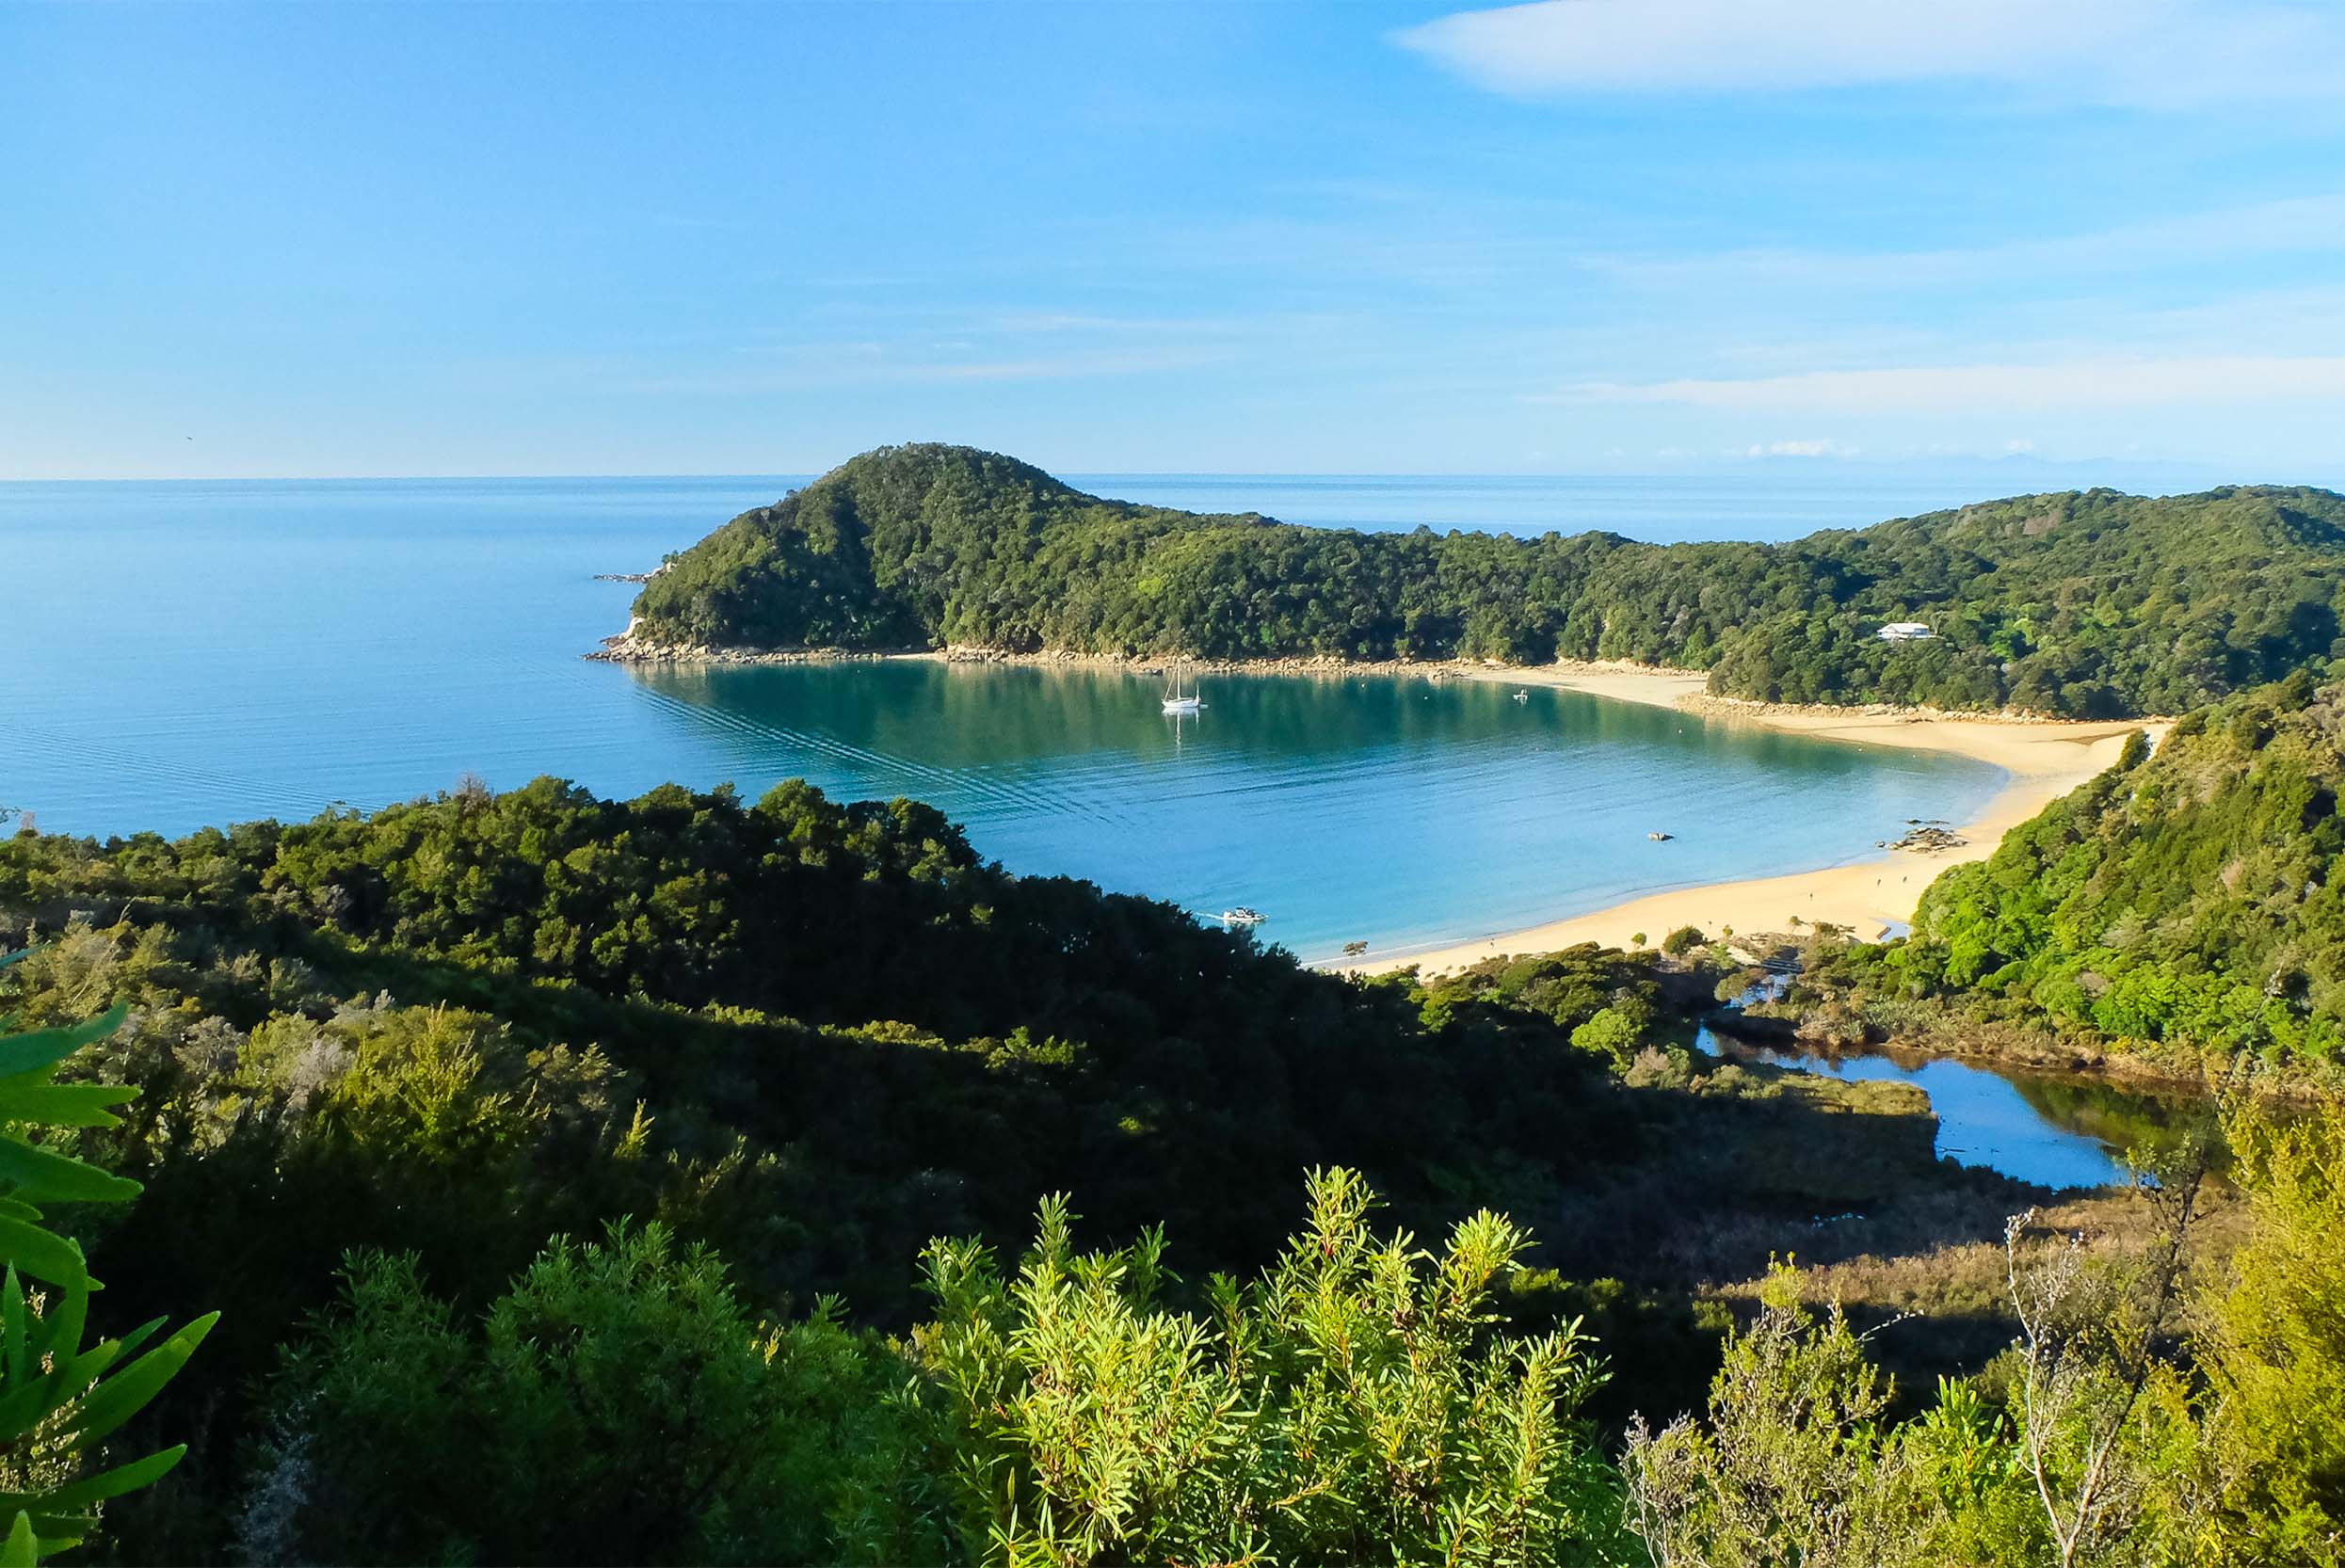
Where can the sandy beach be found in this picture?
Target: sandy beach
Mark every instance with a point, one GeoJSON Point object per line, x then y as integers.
{"type": "Point", "coordinates": [2045, 761]}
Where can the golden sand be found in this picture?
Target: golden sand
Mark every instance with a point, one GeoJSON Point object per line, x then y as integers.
{"type": "Point", "coordinates": [2046, 759]}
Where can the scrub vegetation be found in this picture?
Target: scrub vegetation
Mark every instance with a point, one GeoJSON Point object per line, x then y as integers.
{"type": "Point", "coordinates": [691, 1180]}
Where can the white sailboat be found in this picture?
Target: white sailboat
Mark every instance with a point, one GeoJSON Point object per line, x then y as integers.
{"type": "Point", "coordinates": [1175, 702]}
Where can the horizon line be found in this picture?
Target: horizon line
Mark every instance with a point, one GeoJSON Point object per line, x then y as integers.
{"type": "Point", "coordinates": [1725, 466]}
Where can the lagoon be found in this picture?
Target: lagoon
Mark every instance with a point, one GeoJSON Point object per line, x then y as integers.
{"type": "Point", "coordinates": [2061, 1130]}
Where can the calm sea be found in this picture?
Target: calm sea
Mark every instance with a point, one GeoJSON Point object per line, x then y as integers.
{"type": "Point", "coordinates": [178, 654]}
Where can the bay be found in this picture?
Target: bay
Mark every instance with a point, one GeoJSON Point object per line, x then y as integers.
{"type": "Point", "coordinates": [193, 653]}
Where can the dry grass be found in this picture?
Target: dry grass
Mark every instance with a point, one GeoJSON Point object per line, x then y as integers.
{"type": "Point", "coordinates": [1947, 1304]}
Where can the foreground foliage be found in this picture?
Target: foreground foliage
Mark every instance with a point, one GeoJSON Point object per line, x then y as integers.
{"type": "Point", "coordinates": [1358, 1400]}
{"type": "Point", "coordinates": [660, 1421]}
{"type": "Point", "coordinates": [2087, 604]}
{"type": "Point", "coordinates": [60, 1399]}
{"type": "Point", "coordinates": [2133, 1421]}
{"type": "Point", "coordinates": [1352, 1405]}
{"type": "Point", "coordinates": [2272, 1347]}
{"type": "Point", "coordinates": [383, 1059]}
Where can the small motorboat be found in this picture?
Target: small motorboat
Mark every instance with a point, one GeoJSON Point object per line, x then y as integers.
{"type": "Point", "coordinates": [1243, 914]}
{"type": "Point", "coordinates": [1522, 696]}
{"type": "Point", "coordinates": [1659, 838]}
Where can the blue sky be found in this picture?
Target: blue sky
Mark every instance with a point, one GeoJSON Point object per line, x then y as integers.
{"type": "Point", "coordinates": [1590, 235]}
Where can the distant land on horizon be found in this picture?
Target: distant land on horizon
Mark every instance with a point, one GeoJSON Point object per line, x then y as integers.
{"type": "Point", "coordinates": [2127, 473]}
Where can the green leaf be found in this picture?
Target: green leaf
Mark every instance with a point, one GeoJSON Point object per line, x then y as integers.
{"type": "Point", "coordinates": [43, 1254]}
{"type": "Point", "coordinates": [12, 1346]}
{"type": "Point", "coordinates": [21, 1550]}
{"type": "Point", "coordinates": [43, 1048]}
{"type": "Point", "coordinates": [126, 1393]}
{"type": "Point", "coordinates": [43, 1175]}
{"type": "Point", "coordinates": [23, 1099]}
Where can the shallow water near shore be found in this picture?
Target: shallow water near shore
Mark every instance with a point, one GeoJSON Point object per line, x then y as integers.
{"type": "Point", "coordinates": [1398, 811]}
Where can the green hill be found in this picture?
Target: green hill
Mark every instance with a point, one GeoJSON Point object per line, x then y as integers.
{"type": "Point", "coordinates": [2087, 603]}
{"type": "Point", "coordinates": [2187, 899]}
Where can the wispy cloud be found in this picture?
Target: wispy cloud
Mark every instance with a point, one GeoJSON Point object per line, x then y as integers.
{"type": "Point", "coordinates": [2147, 53]}
{"type": "Point", "coordinates": [2308, 225]}
{"type": "Point", "coordinates": [810, 371]}
{"type": "Point", "coordinates": [1052, 323]}
{"type": "Point", "coordinates": [1818, 448]}
{"type": "Point", "coordinates": [2074, 384]}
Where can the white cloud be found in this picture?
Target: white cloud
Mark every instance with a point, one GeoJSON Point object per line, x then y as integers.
{"type": "Point", "coordinates": [2084, 383]}
{"type": "Point", "coordinates": [1802, 449]}
{"type": "Point", "coordinates": [2156, 53]}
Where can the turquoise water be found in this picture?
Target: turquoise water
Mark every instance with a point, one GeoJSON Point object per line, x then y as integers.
{"type": "Point", "coordinates": [179, 654]}
{"type": "Point", "coordinates": [1396, 812]}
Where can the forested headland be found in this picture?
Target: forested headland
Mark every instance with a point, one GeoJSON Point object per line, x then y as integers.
{"type": "Point", "coordinates": [2089, 604]}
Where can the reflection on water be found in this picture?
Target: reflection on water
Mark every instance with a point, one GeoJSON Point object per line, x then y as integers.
{"type": "Point", "coordinates": [1397, 811]}
{"type": "Point", "coordinates": [2053, 1130]}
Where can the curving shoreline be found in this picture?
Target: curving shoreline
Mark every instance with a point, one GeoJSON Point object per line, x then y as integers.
{"type": "Point", "coordinates": [2043, 759]}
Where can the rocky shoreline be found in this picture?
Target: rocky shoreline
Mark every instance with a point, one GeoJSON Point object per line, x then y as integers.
{"type": "Point", "coordinates": [628, 648]}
